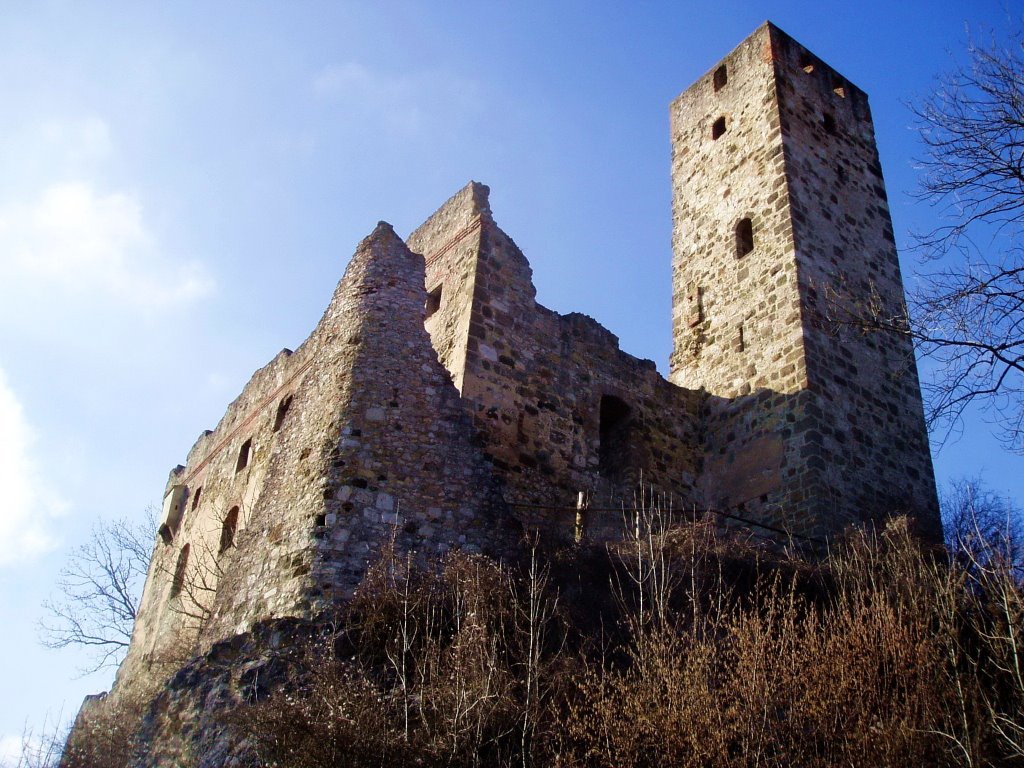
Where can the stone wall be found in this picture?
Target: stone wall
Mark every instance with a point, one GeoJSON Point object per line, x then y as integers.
{"type": "Point", "coordinates": [406, 467]}
{"type": "Point", "coordinates": [534, 382]}
{"type": "Point", "coordinates": [873, 443]}
{"type": "Point", "coordinates": [220, 493]}
{"type": "Point", "coordinates": [356, 441]}
{"type": "Point", "coordinates": [778, 207]}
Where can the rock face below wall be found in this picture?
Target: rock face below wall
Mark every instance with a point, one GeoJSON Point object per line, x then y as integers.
{"type": "Point", "coordinates": [187, 721]}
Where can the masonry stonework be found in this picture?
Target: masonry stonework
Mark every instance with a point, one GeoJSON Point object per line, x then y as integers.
{"type": "Point", "coordinates": [782, 238]}
{"type": "Point", "coordinates": [436, 405]}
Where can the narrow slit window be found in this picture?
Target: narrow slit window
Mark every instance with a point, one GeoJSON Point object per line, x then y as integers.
{"type": "Point", "coordinates": [433, 301]}
{"type": "Point", "coordinates": [721, 77]}
{"type": "Point", "coordinates": [718, 127]}
{"type": "Point", "coordinates": [195, 498]}
{"type": "Point", "coordinates": [829, 123]}
{"type": "Point", "coordinates": [228, 529]}
{"type": "Point", "coordinates": [744, 238]}
{"type": "Point", "coordinates": [740, 340]}
{"type": "Point", "coordinates": [178, 580]}
{"type": "Point", "coordinates": [695, 302]}
{"type": "Point", "coordinates": [282, 411]}
{"type": "Point", "coordinates": [243, 455]}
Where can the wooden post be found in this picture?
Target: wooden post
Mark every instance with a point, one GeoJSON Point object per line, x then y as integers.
{"type": "Point", "coordinates": [582, 502]}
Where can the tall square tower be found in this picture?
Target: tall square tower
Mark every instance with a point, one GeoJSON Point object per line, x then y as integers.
{"type": "Point", "coordinates": [782, 244]}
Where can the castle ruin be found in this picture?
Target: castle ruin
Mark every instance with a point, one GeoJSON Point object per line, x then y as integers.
{"type": "Point", "coordinates": [436, 405]}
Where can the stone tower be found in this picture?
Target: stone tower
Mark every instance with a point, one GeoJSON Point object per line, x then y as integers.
{"type": "Point", "coordinates": [782, 241]}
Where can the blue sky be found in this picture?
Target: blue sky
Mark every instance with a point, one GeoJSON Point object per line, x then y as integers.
{"type": "Point", "coordinates": [182, 184]}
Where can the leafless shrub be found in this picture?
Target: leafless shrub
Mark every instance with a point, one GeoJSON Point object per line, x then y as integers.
{"type": "Point", "coordinates": [434, 667]}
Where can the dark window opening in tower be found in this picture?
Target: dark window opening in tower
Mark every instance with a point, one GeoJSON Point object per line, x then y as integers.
{"type": "Point", "coordinates": [243, 455]}
{"type": "Point", "coordinates": [227, 530]}
{"type": "Point", "coordinates": [178, 581]}
{"type": "Point", "coordinates": [433, 301]}
{"type": "Point", "coordinates": [195, 499]}
{"type": "Point", "coordinates": [744, 238]}
{"type": "Point", "coordinates": [614, 451]}
{"type": "Point", "coordinates": [829, 122]}
{"type": "Point", "coordinates": [282, 411]}
{"type": "Point", "coordinates": [718, 127]}
{"type": "Point", "coordinates": [721, 77]}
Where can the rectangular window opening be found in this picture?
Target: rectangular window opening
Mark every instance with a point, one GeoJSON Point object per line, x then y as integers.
{"type": "Point", "coordinates": [228, 529]}
{"type": "Point", "coordinates": [718, 127]}
{"type": "Point", "coordinates": [721, 77]}
{"type": "Point", "coordinates": [178, 580]}
{"type": "Point", "coordinates": [433, 301]}
{"type": "Point", "coordinates": [243, 455]}
{"type": "Point", "coordinates": [695, 302]}
{"type": "Point", "coordinates": [744, 238]}
{"type": "Point", "coordinates": [282, 411]}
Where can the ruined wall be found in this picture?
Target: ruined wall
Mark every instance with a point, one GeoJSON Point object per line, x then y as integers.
{"type": "Point", "coordinates": [218, 491]}
{"type": "Point", "coordinates": [437, 405]}
{"type": "Point", "coordinates": [758, 148]}
{"type": "Point", "coordinates": [535, 381]}
{"type": "Point", "coordinates": [406, 467]}
{"type": "Point", "coordinates": [450, 243]}
{"type": "Point", "coordinates": [356, 440]}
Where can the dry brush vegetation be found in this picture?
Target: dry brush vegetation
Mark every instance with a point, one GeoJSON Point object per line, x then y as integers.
{"type": "Point", "coordinates": [672, 649]}
{"type": "Point", "coordinates": [676, 647]}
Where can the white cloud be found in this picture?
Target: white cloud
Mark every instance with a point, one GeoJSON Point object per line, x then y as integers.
{"type": "Point", "coordinates": [86, 243]}
{"type": "Point", "coordinates": [399, 103]}
{"type": "Point", "coordinates": [26, 509]}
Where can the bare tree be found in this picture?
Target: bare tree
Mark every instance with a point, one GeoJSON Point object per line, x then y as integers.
{"type": "Point", "coordinates": [99, 590]}
{"type": "Point", "coordinates": [982, 527]}
{"type": "Point", "coordinates": [967, 313]}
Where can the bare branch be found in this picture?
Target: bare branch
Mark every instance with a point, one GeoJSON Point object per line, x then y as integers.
{"type": "Point", "coordinates": [98, 591]}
